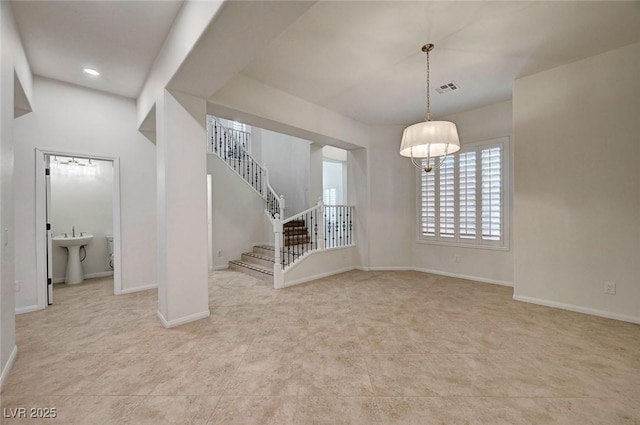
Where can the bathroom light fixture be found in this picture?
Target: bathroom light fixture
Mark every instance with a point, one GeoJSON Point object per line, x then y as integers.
{"type": "Point", "coordinates": [91, 72]}
{"type": "Point", "coordinates": [429, 139]}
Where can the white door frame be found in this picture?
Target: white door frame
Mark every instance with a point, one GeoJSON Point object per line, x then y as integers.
{"type": "Point", "coordinates": [41, 239]}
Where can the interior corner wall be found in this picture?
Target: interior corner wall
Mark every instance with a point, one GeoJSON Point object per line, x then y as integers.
{"type": "Point", "coordinates": [10, 50]}
{"type": "Point", "coordinates": [577, 183]}
{"type": "Point", "coordinates": [392, 198]}
{"type": "Point", "coordinates": [238, 220]}
{"type": "Point", "coordinates": [68, 118]}
{"type": "Point", "coordinates": [288, 162]}
{"type": "Point", "coordinates": [315, 173]}
{"type": "Point", "coordinates": [358, 195]}
{"type": "Point", "coordinates": [487, 265]}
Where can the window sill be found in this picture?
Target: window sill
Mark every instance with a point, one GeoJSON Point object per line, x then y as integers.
{"type": "Point", "coordinates": [463, 245]}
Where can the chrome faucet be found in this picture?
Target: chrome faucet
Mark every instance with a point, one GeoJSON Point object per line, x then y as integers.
{"type": "Point", "coordinates": [73, 232]}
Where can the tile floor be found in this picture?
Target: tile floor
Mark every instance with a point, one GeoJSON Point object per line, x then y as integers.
{"type": "Point", "coordinates": [367, 348]}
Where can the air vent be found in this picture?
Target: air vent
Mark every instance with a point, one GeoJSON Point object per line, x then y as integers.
{"type": "Point", "coordinates": [446, 88]}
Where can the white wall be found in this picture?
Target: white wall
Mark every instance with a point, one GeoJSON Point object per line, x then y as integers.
{"type": "Point", "coordinates": [577, 184]}
{"type": "Point", "coordinates": [288, 161]}
{"type": "Point", "coordinates": [12, 62]}
{"type": "Point", "coordinates": [486, 123]}
{"type": "Point", "coordinates": [187, 28]}
{"type": "Point", "coordinates": [181, 160]}
{"type": "Point", "coordinates": [259, 105]}
{"type": "Point", "coordinates": [358, 195]}
{"type": "Point", "coordinates": [84, 200]}
{"type": "Point", "coordinates": [238, 218]}
{"type": "Point", "coordinates": [392, 196]}
{"type": "Point", "coordinates": [319, 264]}
{"type": "Point", "coordinates": [75, 120]}
{"type": "Point", "coordinates": [315, 172]}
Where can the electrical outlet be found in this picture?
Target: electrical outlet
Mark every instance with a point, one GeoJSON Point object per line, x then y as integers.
{"type": "Point", "coordinates": [16, 286]}
{"type": "Point", "coordinates": [610, 288]}
{"type": "Point", "coordinates": [219, 253]}
{"type": "Point", "coordinates": [457, 257]}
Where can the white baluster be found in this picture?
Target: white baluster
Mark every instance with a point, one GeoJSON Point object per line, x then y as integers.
{"type": "Point", "coordinates": [265, 180]}
{"type": "Point", "coordinates": [278, 276]}
{"type": "Point", "coordinates": [282, 206]}
{"type": "Point", "coordinates": [322, 220]}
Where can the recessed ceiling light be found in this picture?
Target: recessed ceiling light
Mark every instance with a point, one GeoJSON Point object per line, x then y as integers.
{"type": "Point", "coordinates": [91, 71]}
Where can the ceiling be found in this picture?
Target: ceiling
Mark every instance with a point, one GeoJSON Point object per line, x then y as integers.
{"type": "Point", "coordinates": [361, 59]}
{"type": "Point", "coordinates": [120, 39]}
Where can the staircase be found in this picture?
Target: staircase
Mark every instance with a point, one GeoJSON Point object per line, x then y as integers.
{"type": "Point", "coordinates": [259, 262]}
{"type": "Point", "coordinates": [315, 229]}
{"type": "Point", "coordinates": [296, 233]}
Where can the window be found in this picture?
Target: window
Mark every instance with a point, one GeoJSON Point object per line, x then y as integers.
{"type": "Point", "coordinates": [464, 201]}
{"type": "Point", "coordinates": [329, 196]}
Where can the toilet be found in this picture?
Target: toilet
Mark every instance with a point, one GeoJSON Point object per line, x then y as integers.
{"type": "Point", "coordinates": [110, 243]}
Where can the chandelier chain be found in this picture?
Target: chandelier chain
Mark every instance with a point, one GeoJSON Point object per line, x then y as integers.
{"type": "Point", "coordinates": [428, 116]}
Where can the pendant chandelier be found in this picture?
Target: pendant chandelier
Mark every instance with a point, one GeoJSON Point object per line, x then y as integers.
{"type": "Point", "coordinates": [429, 139]}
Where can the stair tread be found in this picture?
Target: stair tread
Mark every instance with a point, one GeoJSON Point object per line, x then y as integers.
{"type": "Point", "coordinates": [258, 256]}
{"type": "Point", "coordinates": [252, 266]}
{"type": "Point", "coordinates": [294, 223]}
{"type": "Point", "coordinates": [270, 247]}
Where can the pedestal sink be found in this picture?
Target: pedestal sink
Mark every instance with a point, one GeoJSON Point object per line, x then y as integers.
{"type": "Point", "coordinates": [74, 266]}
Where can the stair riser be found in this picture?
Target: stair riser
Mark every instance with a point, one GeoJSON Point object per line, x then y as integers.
{"type": "Point", "coordinates": [295, 223]}
{"type": "Point", "coordinates": [295, 231]}
{"type": "Point", "coordinates": [259, 261]}
{"type": "Point", "coordinates": [295, 240]}
{"type": "Point", "coordinates": [263, 251]}
{"type": "Point", "coordinates": [250, 272]}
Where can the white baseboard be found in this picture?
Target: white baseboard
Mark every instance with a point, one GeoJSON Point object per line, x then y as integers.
{"type": "Point", "coordinates": [28, 309]}
{"type": "Point", "coordinates": [216, 268]}
{"type": "Point", "coordinates": [437, 272]}
{"type": "Point", "coordinates": [467, 277]}
{"type": "Point", "coordinates": [578, 309]}
{"type": "Point", "coordinates": [388, 269]}
{"type": "Point", "coordinates": [183, 320]}
{"type": "Point", "coordinates": [7, 367]}
{"type": "Point", "coordinates": [317, 276]}
{"type": "Point", "coordinates": [139, 288]}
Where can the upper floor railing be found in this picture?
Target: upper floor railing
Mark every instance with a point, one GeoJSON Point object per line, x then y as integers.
{"type": "Point", "coordinates": [231, 146]}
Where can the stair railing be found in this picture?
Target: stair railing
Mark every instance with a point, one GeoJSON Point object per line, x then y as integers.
{"type": "Point", "coordinates": [318, 228]}
{"type": "Point", "coordinates": [231, 146]}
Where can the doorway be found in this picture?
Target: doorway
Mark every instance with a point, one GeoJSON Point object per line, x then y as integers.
{"type": "Point", "coordinates": [76, 193]}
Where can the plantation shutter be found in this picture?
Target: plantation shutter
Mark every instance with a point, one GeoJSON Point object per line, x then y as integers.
{"type": "Point", "coordinates": [463, 200]}
{"type": "Point", "coordinates": [447, 198]}
{"type": "Point", "coordinates": [491, 193]}
{"type": "Point", "coordinates": [427, 202]}
{"type": "Point", "coordinates": [467, 193]}
{"type": "Point", "coordinates": [330, 196]}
